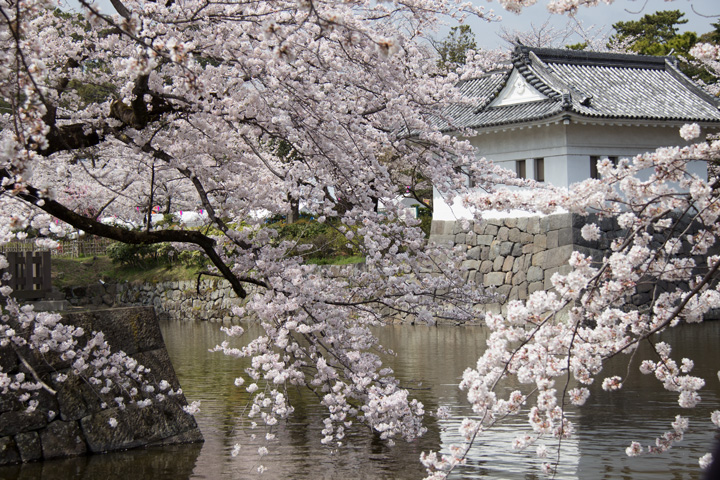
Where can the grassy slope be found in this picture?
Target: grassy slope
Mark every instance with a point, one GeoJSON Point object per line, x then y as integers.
{"type": "Point", "coordinates": [74, 272]}
{"type": "Point", "coordinates": [89, 270]}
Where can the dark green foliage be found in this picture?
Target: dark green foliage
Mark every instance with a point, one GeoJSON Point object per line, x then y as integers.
{"type": "Point", "coordinates": [143, 255]}
{"type": "Point", "coordinates": [425, 216]}
{"type": "Point", "coordinates": [657, 34]}
{"type": "Point", "coordinates": [652, 29]}
{"type": "Point", "coordinates": [713, 36]}
{"type": "Point", "coordinates": [577, 46]}
{"type": "Point", "coordinates": [454, 48]}
{"type": "Point", "coordinates": [325, 239]}
{"type": "Point", "coordinates": [91, 93]}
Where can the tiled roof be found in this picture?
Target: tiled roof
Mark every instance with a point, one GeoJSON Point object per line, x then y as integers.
{"type": "Point", "coordinates": [588, 84]}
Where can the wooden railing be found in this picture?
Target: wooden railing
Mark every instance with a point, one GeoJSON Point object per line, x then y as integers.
{"type": "Point", "coordinates": [29, 274]}
{"type": "Point", "coordinates": [66, 248]}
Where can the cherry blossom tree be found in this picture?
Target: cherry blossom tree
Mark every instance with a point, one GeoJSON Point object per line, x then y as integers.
{"type": "Point", "coordinates": [191, 99]}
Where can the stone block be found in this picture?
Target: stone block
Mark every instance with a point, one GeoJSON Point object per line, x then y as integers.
{"type": "Point", "coordinates": [494, 250]}
{"type": "Point", "coordinates": [8, 451]}
{"type": "Point", "coordinates": [534, 287]}
{"type": "Point", "coordinates": [460, 238]}
{"type": "Point", "coordinates": [533, 225]}
{"type": "Point", "coordinates": [518, 278]}
{"type": "Point", "coordinates": [484, 253]}
{"type": "Point", "coordinates": [134, 325]}
{"type": "Point", "coordinates": [506, 248]}
{"type": "Point", "coordinates": [474, 253]}
{"type": "Point", "coordinates": [552, 239]}
{"type": "Point", "coordinates": [557, 256]}
{"type": "Point", "coordinates": [540, 241]}
{"type": "Point", "coordinates": [443, 239]}
{"type": "Point", "coordinates": [29, 446]}
{"type": "Point", "coordinates": [461, 227]}
{"type": "Point", "coordinates": [8, 360]}
{"type": "Point", "coordinates": [514, 235]}
{"type": "Point", "coordinates": [559, 220]}
{"type": "Point", "coordinates": [14, 422]}
{"type": "Point", "coordinates": [493, 279]}
{"type": "Point", "coordinates": [529, 248]}
{"type": "Point", "coordinates": [75, 398]}
{"type": "Point", "coordinates": [508, 264]}
{"type": "Point", "coordinates": [526, 238]}
{"type": "Point", "coordinates": [538, 259]}
{"type": "Point", "coordinates": [491, 229]}
{"type": "Point", "coordinates": [504, 290]}
{"type": "Point", "coordinates": [503, 234]}
{"type": "Point", "coordinates": [485, 239]}
{"type": "Point", "coordinates": [62, 439]}
{"type": "Point", "coordinates": [566, 236]}
{"type": "Point", "coordinates": [523, 291]}
{"type": "Point", "coordinates": [498, 263]}
{"type": "Point", "coordinates": [508, 278]}
{"type": "Point", "coordinates": [522, 223]}
{"type": "Point", "coordinates": [486, 266]}
{"type": "Point", "coordinates": [511, 222]}
{"type": "Point", "coordinates": [498, 222]}
{"type": "Point", "coordinates": [535, 274]}
{"type": "Point", "coordinates": [517, 250]}
{"type": "Point", "coordinates": [471, 264]}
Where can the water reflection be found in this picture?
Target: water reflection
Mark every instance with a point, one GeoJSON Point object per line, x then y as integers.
{"type": "Point", "coordinates": [430, 361]}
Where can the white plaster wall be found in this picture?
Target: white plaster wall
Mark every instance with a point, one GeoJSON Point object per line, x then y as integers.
{"type": "Point", "coordinates": [566, 150]}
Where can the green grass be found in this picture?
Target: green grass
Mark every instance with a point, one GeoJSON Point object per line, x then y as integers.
{"type": "Point", "coordinates": [71, 272]}
{"type": "Point", "coordinates": [76, 272]}
{"type": "Point", "coordinates": [346, 260]}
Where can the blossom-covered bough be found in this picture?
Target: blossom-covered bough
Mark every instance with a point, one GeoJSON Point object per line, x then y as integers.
{"type": "Point", "coordinates": [184, 103]}
{"type": "Point", "coordinates": [556, 343]}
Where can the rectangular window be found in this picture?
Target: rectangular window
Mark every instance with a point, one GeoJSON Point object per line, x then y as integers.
{"type": "Point", "coordinates": [520, 169]}
{"type": "Point", "coordinates": [540, 169]}
{"type": "Point", "coordinates": [594, 159]}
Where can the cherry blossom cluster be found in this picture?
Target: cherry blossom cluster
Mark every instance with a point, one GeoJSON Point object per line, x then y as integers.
{"type": "Point", "coordinates": [251, 110]}
{"type": "Point", "coordinates": [666, 217]}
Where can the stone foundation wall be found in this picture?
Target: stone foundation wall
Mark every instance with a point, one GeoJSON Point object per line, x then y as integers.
{"type": "Point", "coordinates": [213, 300]}
{"type": "Point", "coordinates": [71, 422]}
{"type": "Point", "coordinates": [518, 256]}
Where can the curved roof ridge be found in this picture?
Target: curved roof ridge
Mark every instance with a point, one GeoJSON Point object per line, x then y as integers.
{"type": "Point", "coordinates": [494, 92]}
{"type": "Point", "coordinates": [586, 57]}
{"type": "Point", "coordinates": [562, 88]}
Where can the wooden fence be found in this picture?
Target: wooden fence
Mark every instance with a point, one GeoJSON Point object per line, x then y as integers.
{"type": "Point", "coordinates": [67, 248]}
{"type": "Point", "coordinates": [30, 274]}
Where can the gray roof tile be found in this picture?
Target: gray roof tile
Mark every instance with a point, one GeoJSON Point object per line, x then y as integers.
{"type": "Point", "coordinates": [595, 85]}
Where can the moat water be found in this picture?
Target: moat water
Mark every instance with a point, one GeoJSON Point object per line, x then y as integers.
{"type": "Point", "coordinates": [430, 360]}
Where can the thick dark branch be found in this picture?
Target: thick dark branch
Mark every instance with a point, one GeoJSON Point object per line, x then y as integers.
{"type": "Point", "coordinates": [135, 237]}
{"type": "Point", "coordinates": [69, 137]}
{"type": "Point", "coordinates": [121, 9]}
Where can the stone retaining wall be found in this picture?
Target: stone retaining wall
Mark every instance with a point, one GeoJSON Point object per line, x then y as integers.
{"type": "Point", "coordinates": [518, 256]}
{"type": "Point", "coordinates": [72, 422]}
{"type": "Point", "coordinates": [213, 300]}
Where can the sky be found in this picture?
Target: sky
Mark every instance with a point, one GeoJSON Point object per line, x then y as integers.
{"type": "Point", "coordinates": [699, 13]}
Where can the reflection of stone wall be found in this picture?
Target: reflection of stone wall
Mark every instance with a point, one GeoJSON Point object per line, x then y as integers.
{"type": "Point", "coordinates": [213, 300]}
{"type": "Point", "coordinates": [77, 425]}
